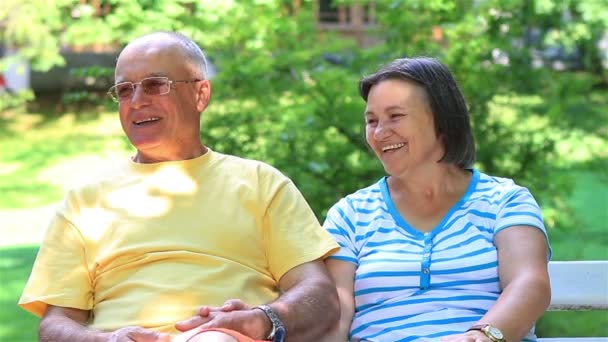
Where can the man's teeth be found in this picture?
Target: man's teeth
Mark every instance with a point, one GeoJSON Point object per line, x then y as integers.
{"type": "Point", "coordinates": [392, 147]}
{"type": "Point", "coordinates": [154, 118]}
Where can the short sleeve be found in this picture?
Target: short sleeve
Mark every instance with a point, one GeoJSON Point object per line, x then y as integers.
{"type": "Point", "coordinates": [339, 224]}
{"type": "Point", "coordinates": [293, 233]}
{"type": "Point", "coordinates": [519, 208]}
{"type": "Point", "coordinates": [60, 275]}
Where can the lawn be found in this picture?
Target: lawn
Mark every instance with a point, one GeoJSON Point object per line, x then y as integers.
{"type": "Point", "coordinates": [15, 263]}
{"type": "Point", "coordinates": [43, 155]}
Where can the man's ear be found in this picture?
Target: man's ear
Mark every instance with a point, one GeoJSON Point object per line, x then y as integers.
{"type": "Point", "coordinates": [203, 95]}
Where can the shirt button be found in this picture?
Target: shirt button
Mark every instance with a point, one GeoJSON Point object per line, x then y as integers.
{"type": "Point", "coordinates": [425, 270]}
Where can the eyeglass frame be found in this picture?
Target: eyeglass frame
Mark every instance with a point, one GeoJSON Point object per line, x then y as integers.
{"type": "Point", "coordinates": [134, 85]}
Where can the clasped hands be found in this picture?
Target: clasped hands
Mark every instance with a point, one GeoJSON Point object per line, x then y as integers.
{"type": "Point", "coordinates": [234, 314]}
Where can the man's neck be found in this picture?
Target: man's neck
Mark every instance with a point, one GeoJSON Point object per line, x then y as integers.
{"type": "Point", "coordinates": [150, 158]}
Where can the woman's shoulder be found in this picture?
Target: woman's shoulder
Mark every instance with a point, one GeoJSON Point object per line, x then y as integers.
{"type": "Point", "coordinates": [496, 182]}
{"type": "Point", "coordinates": [496, 186]}
{"type": "Point", "coordinates": [363, 197]}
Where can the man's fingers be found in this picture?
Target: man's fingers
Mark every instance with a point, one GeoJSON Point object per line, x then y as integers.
{"type": "Point", "coordinates": [204, 311]}
{"type": "Point", "coordinates": [234, 304]}
{"type": "Point", "coordinates": [191, 323]}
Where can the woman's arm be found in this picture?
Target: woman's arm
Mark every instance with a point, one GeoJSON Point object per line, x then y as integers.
{"type": "Point", "coordinates": [522, 269]}
{"type": "Point", "coordinates": [343, 274]}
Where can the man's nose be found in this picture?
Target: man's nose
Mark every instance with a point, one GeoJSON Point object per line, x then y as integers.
{"type": "Point", "coordinates": [139, 96]}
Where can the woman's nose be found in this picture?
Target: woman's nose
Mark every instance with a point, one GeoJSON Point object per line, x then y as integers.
{"type": "Point", "coordinates": [382, 131]}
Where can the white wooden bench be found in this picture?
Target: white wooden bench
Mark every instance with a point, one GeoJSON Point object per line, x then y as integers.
{"type": "Point", "coordinates": [578, 286]}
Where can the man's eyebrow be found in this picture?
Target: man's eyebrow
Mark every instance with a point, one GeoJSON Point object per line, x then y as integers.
{"type": "Point", "coordinates": [152, 74]}
{"type": "Point", "coordinates": [157, 74]}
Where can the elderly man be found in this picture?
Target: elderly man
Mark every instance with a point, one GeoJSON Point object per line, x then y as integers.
{"type": "Point", "coordinates": [180, 242]}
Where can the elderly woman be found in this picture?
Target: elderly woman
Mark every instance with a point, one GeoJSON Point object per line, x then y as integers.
{"type": "Point", "coordinates": [435, 250]}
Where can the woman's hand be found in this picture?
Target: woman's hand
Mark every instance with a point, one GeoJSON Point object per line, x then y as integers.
{"type": "Point", "coordinates": [469, 336]}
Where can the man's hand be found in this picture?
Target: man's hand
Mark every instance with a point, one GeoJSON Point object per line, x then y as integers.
{"type": "Point", "coordinates": [469, 336]}
{"type": "Point", "coordinates": [138, 334]}
{"type": "Point", "coordinates": [229, 305]}
{"type": "Point", "coordinates": [235, 316]}
{"type": "Point", "coordinates": [203, 313]}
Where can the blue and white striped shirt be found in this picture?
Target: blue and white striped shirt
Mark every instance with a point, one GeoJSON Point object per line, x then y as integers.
{"type": "Point", "coordinates": [416, 286]}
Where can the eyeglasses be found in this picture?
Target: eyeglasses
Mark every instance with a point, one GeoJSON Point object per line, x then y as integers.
{"type": "Point", "coordinates": [150, 85]}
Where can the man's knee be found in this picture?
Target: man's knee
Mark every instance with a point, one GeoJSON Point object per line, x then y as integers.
{"type": "Point", "coordinates": [212, 336]}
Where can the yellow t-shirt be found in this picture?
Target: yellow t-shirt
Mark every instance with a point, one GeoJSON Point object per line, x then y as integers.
{"type": "Point", "coordinates": [147, 244]}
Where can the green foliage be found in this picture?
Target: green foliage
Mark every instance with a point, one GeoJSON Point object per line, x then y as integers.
{"type": "Point", "coordinates": [32, 28]}
{"type": "Point", "coordinates": [10, 100]}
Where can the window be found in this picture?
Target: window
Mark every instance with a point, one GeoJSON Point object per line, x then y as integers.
{"type": "Point", "coordinates": [332, 13]}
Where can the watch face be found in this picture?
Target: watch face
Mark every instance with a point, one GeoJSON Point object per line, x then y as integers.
{"type": "Point", "coordinates": [495, 332]}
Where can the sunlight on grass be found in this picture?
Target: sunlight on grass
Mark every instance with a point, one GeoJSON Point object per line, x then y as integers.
{"type": "Point", "coordinates": [45, 154]}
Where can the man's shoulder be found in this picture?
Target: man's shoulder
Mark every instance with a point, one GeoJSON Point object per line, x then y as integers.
{"type": "Point", "coordinates": [242, 165]}
{"type": "Point", "coordinates": [111, 173]}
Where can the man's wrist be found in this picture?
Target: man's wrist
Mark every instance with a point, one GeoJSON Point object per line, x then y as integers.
{"type": "Point", "coordinates": [264, 326]}
{"type": "Point", "coordinates": [277, 332]}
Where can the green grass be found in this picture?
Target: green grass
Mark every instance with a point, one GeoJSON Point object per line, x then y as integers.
{"type": "Point", "coordinates": [34, 147]}
{"type": "Point", "coordinates": [42, 154]}
{"type": "Point", "coordinates": [17, 324]}
{"type": "Point", "coordinates": [590, 203]}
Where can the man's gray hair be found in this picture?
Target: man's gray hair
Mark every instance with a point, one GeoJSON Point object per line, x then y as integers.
{"type": "Point", "coordinates": [191, 50]}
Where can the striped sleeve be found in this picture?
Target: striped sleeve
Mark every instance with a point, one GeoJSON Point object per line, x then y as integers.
{"type": "Point", "coordinates": [521, 209]}
{"type": "Point", "coordinates": [340, 226]}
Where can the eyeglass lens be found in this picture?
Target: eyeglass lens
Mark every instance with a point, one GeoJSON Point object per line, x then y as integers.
{"type": "Point", "coordinates": [151, 86]}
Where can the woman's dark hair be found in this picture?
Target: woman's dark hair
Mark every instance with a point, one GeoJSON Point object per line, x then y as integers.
{"type": "Point", "coordinates": [450, 112]}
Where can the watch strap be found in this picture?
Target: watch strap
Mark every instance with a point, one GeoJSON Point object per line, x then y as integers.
{"type": "Point", "coordinates": [478, 327]}
{"type": "Point", "coordinates": [277, 333]}
{"type": "Point", "coordinates": [490, 331]}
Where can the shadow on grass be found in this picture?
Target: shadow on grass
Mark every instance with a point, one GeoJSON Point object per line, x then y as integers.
{"type": "Point", "coordinates": [51, 107]}
{"type": "Point", "coordinates": [15, 265]}
{"type": "Point", "coordinates": [34, 145]}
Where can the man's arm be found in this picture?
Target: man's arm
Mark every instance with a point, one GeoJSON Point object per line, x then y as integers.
{"type": "Point", "coordinates": [68, 324]}
{"type": "Point", "coordinates": [308, 308]}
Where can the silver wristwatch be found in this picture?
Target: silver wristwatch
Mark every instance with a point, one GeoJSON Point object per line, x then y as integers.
{"type": "Point", "coordinates": [277, 333]}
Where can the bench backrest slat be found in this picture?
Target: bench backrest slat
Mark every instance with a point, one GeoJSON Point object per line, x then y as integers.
{"type": "Point", "coordinates": [579, 285]}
